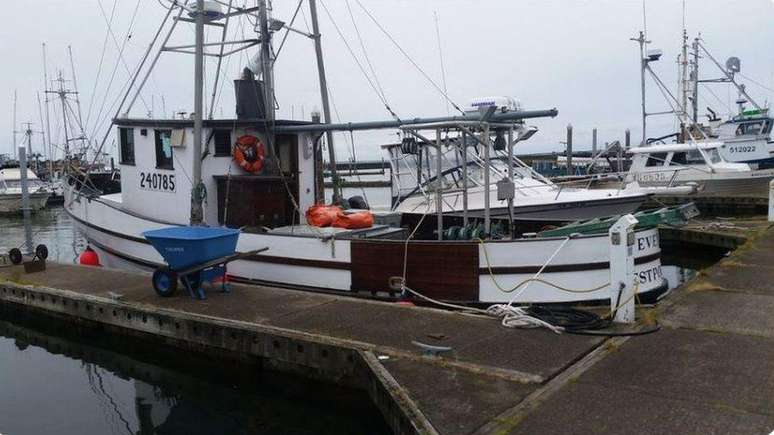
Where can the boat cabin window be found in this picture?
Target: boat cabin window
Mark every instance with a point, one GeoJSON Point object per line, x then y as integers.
{"type": "Point", "coordinates": [126, 139]}
{"type": "Point", "coordinates": [751, 128]}
{"type": "Point", "coordinates": [222, 139]}
{"type": "Point", "coordinates": [656, 159]}
{"type": "Point", "coordinates": [164, 149]}
{"type": "Point", "coordinates": [678, 159]}
{"type": "Point", "coordinates": [694, 156]}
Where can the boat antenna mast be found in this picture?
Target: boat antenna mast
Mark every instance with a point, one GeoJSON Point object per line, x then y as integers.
{"type": "Point", "coordinates": [643, 42]}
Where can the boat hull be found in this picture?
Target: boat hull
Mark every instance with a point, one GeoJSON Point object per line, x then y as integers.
{"type": "Point", "coordinates": [12, 203]}
{"type": "Point", "coordinates": [748, 184]}
{"type": "Point", "coordinates": [470, 272]}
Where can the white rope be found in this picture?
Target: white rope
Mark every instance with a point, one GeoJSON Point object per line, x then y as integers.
{"type": "Point", "coordinates": [517, 317]}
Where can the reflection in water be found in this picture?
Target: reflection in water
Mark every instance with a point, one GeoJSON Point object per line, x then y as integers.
{"type": "Point", "coordinates": [54, 379]}
{"type": "Point", "coordinates": [50, 226]}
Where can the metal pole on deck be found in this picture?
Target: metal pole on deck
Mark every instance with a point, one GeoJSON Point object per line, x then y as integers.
{"type": "Point", "coordinates": [25, 198]}
{"type": "Point", "coordinates": [324, 97]}
{"type": "Point", "coordinates": [464, 179]}
{"type": "Point", "coordinates": [197, 214]}
{"type": "Point", "coordinates": [569, 149]}
{"type": "Point", "coordinates": [487, 220]}
{"type": "Point", "coordinates": [510, 176]}
{"type": "Point", "coordinates": [593, 143]}
{"type": "Point", "coordinates": [439, 183]}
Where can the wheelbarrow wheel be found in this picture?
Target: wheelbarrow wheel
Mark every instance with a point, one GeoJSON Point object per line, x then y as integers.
{"type": "Point", "coordinates": [15, 256]}
{"type": "Point", "coordinates": [164, 282]}
{"type": "Point", "coordinates": [41, 251]}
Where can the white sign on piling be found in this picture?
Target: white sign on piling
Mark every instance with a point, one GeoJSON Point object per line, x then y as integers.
{"type": "Point", "coordinates": [622, 286]}
{"type": "Point", "coordinates": [771, 201]}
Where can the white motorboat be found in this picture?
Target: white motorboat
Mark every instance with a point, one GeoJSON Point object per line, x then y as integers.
{"type": "Point", "coordinates": [261, 174]}
{"type": "Point", "coordinates": [11, 191]}
{"type": "Point", "coordinates": [700, 164]}
{"type": "Point", "coordinates": [536, 198]}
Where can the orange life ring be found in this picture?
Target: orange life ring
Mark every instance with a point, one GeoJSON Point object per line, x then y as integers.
{"type": "Point", "coordinates": [249, 153]}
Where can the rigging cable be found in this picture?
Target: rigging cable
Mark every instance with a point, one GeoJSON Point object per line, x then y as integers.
{"type": "Point", "coordinates": [368, 60]}
{"type": "Point", "coordinates": [357, 61]}
{"type": "Point", "coordinates": [99, 64]}
{"type": "Point", "coordinates": [406, 55]}
{"type": "Point", "coordinates": [119, 61]}
{"type": "Point", "coordinates": [756, 82]}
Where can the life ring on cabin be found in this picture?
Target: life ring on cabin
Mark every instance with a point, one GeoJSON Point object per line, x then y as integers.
{"type": "Point", "coordinates": [249, 153]}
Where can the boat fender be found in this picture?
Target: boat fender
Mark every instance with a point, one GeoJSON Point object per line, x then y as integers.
{"type": "Point", "coordinates": [249, 153]}
{"type": "Point", "coordinates": [89, 257]}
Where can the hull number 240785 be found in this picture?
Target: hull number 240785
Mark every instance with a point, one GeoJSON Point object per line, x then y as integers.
{"type": "Point", "coordinates": [157, 182]}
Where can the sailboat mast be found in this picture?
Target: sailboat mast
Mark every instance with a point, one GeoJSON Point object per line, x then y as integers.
{"type": "Point", "coordinates": [49, 148]}
{"type": "Point", "coordinates": [324, 97]}
{"type": "Point", "coordinates": [197, 214]}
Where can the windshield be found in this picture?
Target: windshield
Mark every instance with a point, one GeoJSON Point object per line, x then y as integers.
{"type": "Point", "coordinates": [713, 155]}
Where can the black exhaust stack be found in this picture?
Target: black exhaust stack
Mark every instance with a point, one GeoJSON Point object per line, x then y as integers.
{"type": "Point", "coordinates": [249, 96]}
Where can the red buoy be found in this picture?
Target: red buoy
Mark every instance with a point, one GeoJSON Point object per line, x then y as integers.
{"type": "Point", "coordinates": [89, 257]}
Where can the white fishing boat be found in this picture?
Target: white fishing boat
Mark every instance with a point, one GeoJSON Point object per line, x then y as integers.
{"type": "Point", "coordinates": [699, 164]}
{"type": "Point", "coordinates": [536, 198]}
{"type": "Point", "coordinates": [745, 137]}
{"type": "Point", "coordinates": [262, 174]}
{"type": "Point", "coordinates": [11, 191]}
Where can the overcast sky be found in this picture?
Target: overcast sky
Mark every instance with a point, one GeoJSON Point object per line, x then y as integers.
{"type": "Point", "coordinates": [574, 55]}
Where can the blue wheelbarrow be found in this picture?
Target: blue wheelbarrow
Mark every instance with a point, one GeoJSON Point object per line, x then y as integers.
{"type": "Point", "coordinates": [194, 255]}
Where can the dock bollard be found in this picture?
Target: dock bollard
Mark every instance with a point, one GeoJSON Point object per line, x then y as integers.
{"type": "Point", "coordinates": [771, 201]}
{"type": "Point", "coordinates": [622, 269]}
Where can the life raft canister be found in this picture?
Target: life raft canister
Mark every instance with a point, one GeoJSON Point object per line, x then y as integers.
{"type": "Point", "coordinates": [249, 153]}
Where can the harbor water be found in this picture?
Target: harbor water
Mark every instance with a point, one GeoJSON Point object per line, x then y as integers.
{"type": "Point", "coordinates": [57, 379]}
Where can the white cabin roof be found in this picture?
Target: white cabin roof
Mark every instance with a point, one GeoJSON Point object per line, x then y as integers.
{"type": "Point", "coordinates": [15, 174]}
{"type": "Point", "coordinates": [675, 147]}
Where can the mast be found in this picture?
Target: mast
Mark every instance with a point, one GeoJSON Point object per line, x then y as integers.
{"type": "Point", "coordinates": [197, 186]}
{"type": "Point", "coordinates": [266, 61]}
{"type": "Point", "coordinates": [77, 99]}
{"type": "Point", "coordinates": [695, 80]}
{"type": "Point", "coordinates": [49, 148]}
{"type": "Point", "coordinates": [14, 125]}
{"type": "Point", "coordinates": [324, 98]}
{"type": "Point", "coordinates": [643, 65]}
{"type": "Point", "coordinates": [684, 88]}
{"type": "Point", "coordinates": [62, 93]}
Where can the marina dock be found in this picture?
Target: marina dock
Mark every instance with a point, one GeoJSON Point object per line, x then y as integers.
{"type": "Point", "coordinates": [492, 379]}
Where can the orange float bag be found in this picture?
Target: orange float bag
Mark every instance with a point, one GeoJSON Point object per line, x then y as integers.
{"type": "Point", "coordinates": [321, 215]}
{"type": "Point", "coordinates": [353, 221]}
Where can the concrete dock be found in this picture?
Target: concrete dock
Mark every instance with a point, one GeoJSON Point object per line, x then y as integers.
{"type": "Point", "coordinates": [710, 369]}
